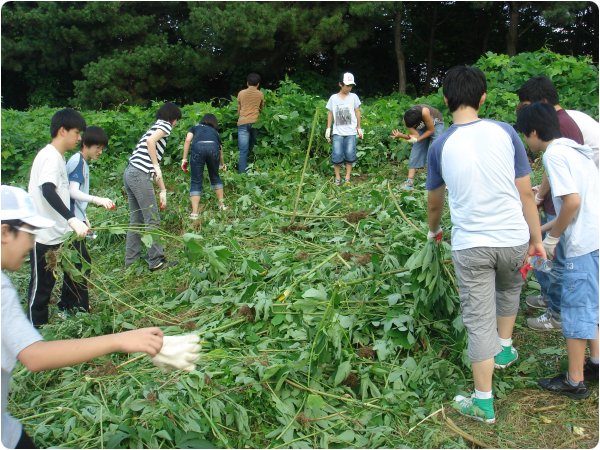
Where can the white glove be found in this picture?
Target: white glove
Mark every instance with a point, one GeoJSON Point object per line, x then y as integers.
{"type": "Point", "coordinates": [437, 235]}
{"type": "Point", "coordinates": [538, 200]}
{"type": "Point", "coordinates": [361, 132]}
{"type": "Point", "coordinates": [178, 352]}
{"type": "Point", "coordinates": [80, 228]}
{"type": "Point", "coordinates": [412, 140]}
{"type": "Point", "coordinates": [163, 199]}
{"type": "Point", "coordinates": [104, 202]}
{"type": "Point", "coordinates": [328, 134]}
{"type": "Point", "coordinates": [157, 172]}
{"type": "Point", "coordinates": [550, 243]}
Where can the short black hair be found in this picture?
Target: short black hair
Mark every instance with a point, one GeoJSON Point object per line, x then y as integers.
{"type": "Point", "coordinates": [94, 136]}
{"type": "Point", "coordinates": [13, 225]}
{"type": "Point", "coordinates": [413, 117]}
{"type": "Point", "coordinates": [542, 118]}
{"type": "Point", "coordinates": [253, 79]}
{"type": "Point", "coordinates": [538, 89]}
{"type": "Point", "coordinates": [464, 86]}
{"type": "Point", "coordinates": [68, 119]}
{"type": "Point", "coordinates": [169, 112]}
{"type": "Point", "coordinates": [211, 121]}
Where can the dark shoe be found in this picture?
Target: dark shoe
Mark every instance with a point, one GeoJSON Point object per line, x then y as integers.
{"type": "Point", "coordinates": [164, 264]}
{"type": "Point", "coordinates": [560, 385]}
{"type": "Point", "coordinates": [590, 371]}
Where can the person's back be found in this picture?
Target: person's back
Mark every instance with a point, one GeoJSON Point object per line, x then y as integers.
{"type": "Point", "coordinates": [478, 164]}
{"type": "Point", "coordinates": [590, 130]}
{"type": "Point", "coordinates": [250, 104]}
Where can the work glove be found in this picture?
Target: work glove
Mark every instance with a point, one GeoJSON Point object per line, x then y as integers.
{"type": "Point", "coordinates": [163, 199]}
{"type": "Point", "coordinates": [157, 172]}
{"type": "Point", "coordinates": [80, 228]}
{"type": "Point", "coordinates": [437, 235]}
{"type": "Point", "coordinates": [104, 202]}
{"type": "Point", "coordinates": [361, 132]}
{"type": "Point", "coordinates": [550, 243]}
{"type": "Point", "coordinates": [412, 140]}
{"type": "Point", "coordinates": [178, 352]}
{"type": "Point", "coordinates": [184, 165]}
{"type": "Point", "coordinates": [328, 134]}
{"type": "Point", "coordinates": [223, 167]}
{"type": "Point", "coordinates": [538, 198]}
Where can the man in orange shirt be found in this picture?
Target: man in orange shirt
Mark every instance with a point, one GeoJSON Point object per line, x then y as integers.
{"type": "Point", "coordinates": [250, 103]}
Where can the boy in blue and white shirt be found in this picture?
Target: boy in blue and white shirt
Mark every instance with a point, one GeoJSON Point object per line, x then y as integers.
{"type": "Point", "coordinates": [93, 142]}
{"type": "Point", "coordinates": [575, 187]}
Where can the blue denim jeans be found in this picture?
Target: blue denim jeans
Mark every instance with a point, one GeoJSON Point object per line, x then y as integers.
{"type": "Point", "coordinates": [579, 313]}
{"type": "Point", "coordinates": [205, 153]}
{"type": "Point", "coordinates": [544, 278]}
{"type": "Point", "coordinates": [246, 141]}
{"type": "Point", "coordinates": [343, 149]}
{"type": "Point", "coordinates": [419, 150]}
{"type": "Point", "coordinates": [555, 279]}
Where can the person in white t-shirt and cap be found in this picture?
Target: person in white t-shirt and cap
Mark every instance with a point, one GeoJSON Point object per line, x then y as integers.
{"type": "Point", "coordinates": [344, 114]}
{"type": "Point", "coordinates": [22, 342]}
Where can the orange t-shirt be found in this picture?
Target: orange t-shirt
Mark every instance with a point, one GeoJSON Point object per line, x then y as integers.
{"type": "Point", "coordinates": [250, 103]}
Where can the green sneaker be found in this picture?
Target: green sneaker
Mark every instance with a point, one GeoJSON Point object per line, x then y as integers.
{"type": "Point", "coordinates": [475, 408]}
{"type": "Point", "coordinates": [506, 358]}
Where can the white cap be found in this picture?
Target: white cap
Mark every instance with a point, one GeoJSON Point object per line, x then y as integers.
{"type": "Point", "coordinates": [17, 204]}
{"type": "Point", "coordinates": [348, 79]}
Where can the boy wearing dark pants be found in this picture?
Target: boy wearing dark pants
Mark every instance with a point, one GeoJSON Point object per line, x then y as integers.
{"type": "Point", "coordinates": [49, 188]}
{"type": "Point", "coordinates": [575, 185]}
{"type": "Point", "coordinates": [251, 102]}
{"type": "Point", "coordinates": [484, 165]}
{"type": "Point", "coordinates": [78, 171]}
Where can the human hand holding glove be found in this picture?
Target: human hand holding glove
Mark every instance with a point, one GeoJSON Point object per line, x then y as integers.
{"type": "Point", "coordinates": [437, 235]}
{"type": "Point", "coordinates": [163, 199]}
{"type": "Point", "coordinates": [157, 172]}
{"type": "Point", "coordinates": [328, 134]}
{"type": "Point", "coordinates": [538, 198]}
{"type": "Point", "coordinates": [79, 227]}
{"type": "Point", "coordinates": [178, 352]}
{"type": "Point", "coordinates": [104, 202]}
{"type": "Point", "coordinates": [223, 167]}
{"type": "Point", "coordinates": [550, 243]}
{"type": "Point", "coordinates": [412, 139]}
{"type": "Point", "coordinates": [184, 165]}
{"type": "Point", "coordinates": [361, 133]}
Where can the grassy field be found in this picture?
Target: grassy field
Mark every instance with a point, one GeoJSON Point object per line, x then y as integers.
{"type": "Point", "coordinates": [252, 388]}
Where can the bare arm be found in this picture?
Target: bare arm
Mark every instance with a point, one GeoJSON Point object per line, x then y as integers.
{"type": "Point", "coordinates": [435, 207]}
{"type": "Point", "coordinates": [47, 355]}
{"type": "Point", "coordinates": [428, 121]}
{"type": "Point", "coordinates": [329, 119]}
{"type": "Point", "coordinates": [568, 211]}
{"type": "Point", "coordinates": [186, 144]}
{"type": "Point", "coordinates": [530, 213]}
{"type": "Point", "coordinates": [544, 186]}
{"type": "Point", "coordinates": [221, 155]}
{"type": "Point", "coordinates": [357, 112]}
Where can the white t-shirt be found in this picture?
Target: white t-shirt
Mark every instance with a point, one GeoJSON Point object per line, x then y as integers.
{"type": "Point", "coordinates": [571, 172]}
{"type": "Point", "coordinates": [49, 167]}
{"type": "Point", "coordinates": [79, 171]}
{"type": "Point", "coordinates": [590, 129]}
{"type": "Point", "coordinates": [479, 162]}
{"type": "Point", "coordinates": [17, 334]}
{"type": "Point", "coordinates": [344, 114]}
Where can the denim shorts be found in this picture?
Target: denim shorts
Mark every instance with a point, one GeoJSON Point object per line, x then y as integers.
{"type": "Point", "coordinates": [579, 299]}
{"type": "Point", "coordinates": [343, 150]}
{"type": "Point", "coordinates": [419, 150]}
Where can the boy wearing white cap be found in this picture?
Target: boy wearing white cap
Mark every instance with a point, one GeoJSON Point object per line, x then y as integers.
{"type": "Point", "coordinates": [22, 342]}
{"type": "Point", "coordinates": [344, 114]}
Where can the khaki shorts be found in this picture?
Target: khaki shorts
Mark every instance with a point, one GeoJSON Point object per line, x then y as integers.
{"type": "Point", "coordinates": [489, 285]}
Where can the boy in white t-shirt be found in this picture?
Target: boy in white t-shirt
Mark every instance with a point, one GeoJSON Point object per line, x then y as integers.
{"type": "Point", "coordinates": [344, 113]}
{"type": "Point", "coordinates": [495, 226]}
{"type": "Point", "coordinates": [22, 342]}
{"type": "Point", "coordinates": [575, 186]}
{"type": "Point", "coordinates": [49, 188]}
{"type": "Point", "coordinates": [93, 143]}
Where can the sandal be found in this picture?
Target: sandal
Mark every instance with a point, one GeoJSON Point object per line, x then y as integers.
{"type": "Point", "coordinates": [338, 182]}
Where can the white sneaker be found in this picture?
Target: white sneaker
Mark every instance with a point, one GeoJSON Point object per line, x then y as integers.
{"type": "Point", "coordinates": [545, 322]}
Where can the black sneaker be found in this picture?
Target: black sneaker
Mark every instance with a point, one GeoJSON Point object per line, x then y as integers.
{"type": "Point", "coordinates": [164, 264]}
{"type": "Point", "coordinates": [560, 385]}
{"type": "Point", "coordinates": [590, 371]}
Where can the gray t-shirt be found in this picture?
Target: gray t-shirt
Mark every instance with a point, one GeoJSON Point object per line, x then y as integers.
{"type": "Point", "coordinates": [17, 334]}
